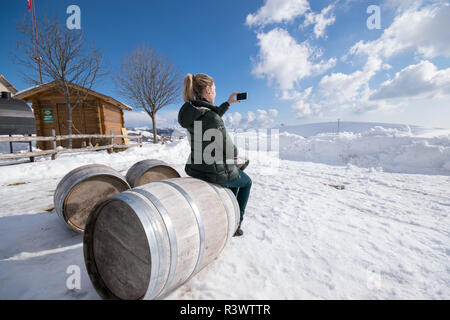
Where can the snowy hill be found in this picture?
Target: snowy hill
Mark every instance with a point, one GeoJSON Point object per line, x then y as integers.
{"type": "Point", "coordinates": [385, 236]}
{"type": "Point", "coordinates": [309, 130]}
{"type": "Point", "coordinates": [389, 149]}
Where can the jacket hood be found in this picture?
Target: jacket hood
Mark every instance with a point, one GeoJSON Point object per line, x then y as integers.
{"type": "Point", "coordinates": [192, 111]}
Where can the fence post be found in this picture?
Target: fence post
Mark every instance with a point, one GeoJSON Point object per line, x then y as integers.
{"type": "Point", "coordinates": [53, 143]}
{"type": "Point", "coordinates": [111, 141]}
{"type": "Point", "coordinates": [10, 146]}
{"type": "Point", "coordinates": [140, 139]}
{"type": "Point", "coordinates": [30, 144]}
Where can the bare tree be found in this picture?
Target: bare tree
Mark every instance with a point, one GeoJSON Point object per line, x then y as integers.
{"type": "Point", "coordinates": [149, 81]}
{"type": "Point", "coordinates": [65, 59]}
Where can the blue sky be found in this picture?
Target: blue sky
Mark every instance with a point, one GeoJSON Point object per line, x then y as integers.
{"type": "Point", "coordinates": [300, 61]}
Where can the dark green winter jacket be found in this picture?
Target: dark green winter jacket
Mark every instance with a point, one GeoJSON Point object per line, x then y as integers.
{"type": "Point", "coordinates": [208, 159]}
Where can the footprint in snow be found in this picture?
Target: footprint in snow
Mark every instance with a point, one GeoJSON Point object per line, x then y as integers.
{"type": "Point", "coordinates": [264, 237]}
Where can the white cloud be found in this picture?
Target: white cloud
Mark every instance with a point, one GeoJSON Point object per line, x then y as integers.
{"type": "Point", "coordinates": [273, 113]}
{"type": "Point", "coordinates": [164, 119]}
{"type": "Point", "coordinates": [402, 5]}
{"type": "Point", "coordinates": [425, 31]}
{"type": "Point", "coordinates": [266, 119]}
{"type": "Point", "coordinates": [340, 88]}
{"type": "Point", "coordinates": [277, 11]}
{"type": "Point", "coordinates": [422, 80]}
{"type": "Point", "coordinates": [302, 109]}
{"type": "Point", "coordinates": [422, 30]}
{"type": "Point", "coordinates": [301, 105]}
{"type": "Point", "coordinates": [320, 20]}
{"type": "Point", "coordinates": [285, 60]}
{"type": "Point", "coordinates": [250, 116]}
{"type": "Point", "coordinates": [263, 119]}
{"type": "Point", "coordinates": [233, 119]}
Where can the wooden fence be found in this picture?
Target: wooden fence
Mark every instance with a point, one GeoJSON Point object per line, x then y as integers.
{"type": "Point", "coordinates": [54, 151]}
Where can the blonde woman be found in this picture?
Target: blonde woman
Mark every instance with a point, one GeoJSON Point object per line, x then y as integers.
{"type": "Point", "coordinates": [199, 95]}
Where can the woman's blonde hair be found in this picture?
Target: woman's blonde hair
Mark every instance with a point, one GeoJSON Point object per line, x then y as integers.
{"type": "Point", "coordinates": [194, 86]}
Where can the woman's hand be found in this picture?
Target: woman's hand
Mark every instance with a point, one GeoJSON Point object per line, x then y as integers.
{"type": "Point", "coordinates": [231, 99]}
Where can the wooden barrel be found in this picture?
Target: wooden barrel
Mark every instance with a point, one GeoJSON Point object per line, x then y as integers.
{"type": "Point", "coordinates": [80, 190]}
{"type": "Point", "coordinates": [150, 170]}
{"type": "Point", "coordinates": [147, 241]}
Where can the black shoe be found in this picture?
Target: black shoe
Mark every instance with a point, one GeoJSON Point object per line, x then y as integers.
{"type": "Point", "coordinates": [238, 232]}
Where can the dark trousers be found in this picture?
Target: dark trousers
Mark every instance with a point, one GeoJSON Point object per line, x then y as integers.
{"type": "Point", "coordinates": [241, 189]}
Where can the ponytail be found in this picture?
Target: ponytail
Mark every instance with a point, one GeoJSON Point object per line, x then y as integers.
{"type": "Point", "coordinates": [194, 86]}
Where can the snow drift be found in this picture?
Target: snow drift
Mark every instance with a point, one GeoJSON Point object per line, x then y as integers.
{"type": "Point", "coordinates": [388, 149]}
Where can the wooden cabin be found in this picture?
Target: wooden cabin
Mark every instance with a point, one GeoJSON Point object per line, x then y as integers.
{"type": "Point", "coordinates": [99, 114]}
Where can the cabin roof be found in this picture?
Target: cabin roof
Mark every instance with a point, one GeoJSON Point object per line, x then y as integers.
{"type": "Point", "coordinates": [7, 84]}
{"type": "Point", "coordinates": [28, 94]}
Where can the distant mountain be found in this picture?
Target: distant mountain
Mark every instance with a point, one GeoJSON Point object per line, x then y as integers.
{"type": "Point", "coordinates": [312, 129]}
{"type": "Point", "coordinates": [166, 132]}
{"type": "Point", "coordinates": [159, 131]}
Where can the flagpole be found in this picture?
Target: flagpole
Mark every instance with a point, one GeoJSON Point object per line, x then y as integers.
{"type": "Point", "coordinates": [37, 42]}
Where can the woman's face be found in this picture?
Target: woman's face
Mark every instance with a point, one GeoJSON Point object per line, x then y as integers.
{"type": "Point", "coordinates": [211, 93]}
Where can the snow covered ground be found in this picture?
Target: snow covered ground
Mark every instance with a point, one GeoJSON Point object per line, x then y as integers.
{"type": "Point", "coordinates": [385, 236]}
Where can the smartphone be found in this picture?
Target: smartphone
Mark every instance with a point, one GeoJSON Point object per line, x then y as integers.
{"type": "Point", "coordinates": [241, 96]}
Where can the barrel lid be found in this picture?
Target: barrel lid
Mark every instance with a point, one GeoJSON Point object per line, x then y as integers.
{"type": "Point", "coordinates": [121, 251]}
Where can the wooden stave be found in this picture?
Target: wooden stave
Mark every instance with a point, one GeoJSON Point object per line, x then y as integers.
{"type": "Point", "coordinates": [171, 244]}
{"type": "Point", "coordinates": [220, 192]}
{"type": "Point", "coordinates": [74, 177]}
{"type": "Point", "coordinates": [199, 221]}
{"type": "Point", "coordinates": [178, 275]}
{"type": "Point", "coordinates": [140, 168]}
{"type": "Point", "coordinates": [235, 205]}
{"type": "Point", "coordinates": [201, 262]}
{"type": "Point", "coordinates": [207, 256]}
{"type": "Point", "coordinates": [155, 287]}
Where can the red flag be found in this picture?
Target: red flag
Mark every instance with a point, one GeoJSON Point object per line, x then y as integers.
{"type": "Point", "coordinates": [29, 5]}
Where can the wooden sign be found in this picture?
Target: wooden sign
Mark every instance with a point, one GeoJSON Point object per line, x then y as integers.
{"type": "Point", "coordinates": [47, 114]}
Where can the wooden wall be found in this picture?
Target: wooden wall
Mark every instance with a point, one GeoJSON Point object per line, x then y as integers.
{"type": "Point", "coordinates": [113, 120]}
{"type": "Point", "coordinates": [92, 117]}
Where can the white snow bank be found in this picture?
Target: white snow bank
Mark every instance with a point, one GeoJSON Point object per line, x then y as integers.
{"type": "Point", "coordinates": [174, 153]}
{"type": "Point", "coordinates": [384, 149]}
{"type": "Point", "coordinates": [388, 149]}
